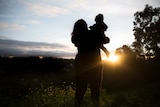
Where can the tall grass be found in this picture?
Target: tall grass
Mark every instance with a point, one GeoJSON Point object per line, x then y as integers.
{"type": "Point", "coordinates": [52, 96]}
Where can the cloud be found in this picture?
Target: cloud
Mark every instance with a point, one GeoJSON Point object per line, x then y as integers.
{"type": "Point", "coordinates": [79, 4]}
{"type": "Point", "coordinates": [127, 7]}
{"type": "Point", "coordinates": [34, 22]}
{"type": "Point", "coordinates": [55, 8]}
{"type": "Point", "coordinates": [45, 7]}
{"type": "Point", "coordinates": [11, 26]}
{"type": "Point", "coordinates": [3, 37]}
{"type": "Point", "coordinates": [47, 10]}
{"type": "Point", "coordinates": [21, 48]}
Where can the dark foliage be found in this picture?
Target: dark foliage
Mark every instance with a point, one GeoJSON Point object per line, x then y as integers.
{"type": "Point", "coordinates": [130, 72]}
{"type": "Point", "coordinates": [21, 64]}
{"type": "Point", "coordinates": [147, 32]}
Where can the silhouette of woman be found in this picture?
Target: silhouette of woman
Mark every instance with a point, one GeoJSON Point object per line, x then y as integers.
{"type": "Point", "coordinates": [88, 67]}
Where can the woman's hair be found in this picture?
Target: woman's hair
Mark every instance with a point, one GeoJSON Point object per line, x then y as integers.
{"type": "Point", "coordinates": [80, 30]}
{"type": "Point", "coordinates": [80, 27]}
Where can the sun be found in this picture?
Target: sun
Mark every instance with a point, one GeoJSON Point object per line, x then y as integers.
{"type": "Point", "coordinates": [113, 58]}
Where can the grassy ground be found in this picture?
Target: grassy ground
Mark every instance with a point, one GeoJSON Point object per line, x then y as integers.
{"type": "Point", "coordinates": [49, 90]}
{"type": "Point", "coordinates": [34, 86]}
{"type": "Point", "coordinates": [52, 96]}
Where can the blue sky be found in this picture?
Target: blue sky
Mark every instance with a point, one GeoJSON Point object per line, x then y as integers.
{"type": "Point", "coordinates": [43, 27]}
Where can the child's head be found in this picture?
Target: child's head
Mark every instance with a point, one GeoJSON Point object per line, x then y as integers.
{"type": "Point", "coordinates": [99, 18]}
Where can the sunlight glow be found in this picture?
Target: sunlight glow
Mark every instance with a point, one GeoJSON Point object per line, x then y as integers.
{"type": "Point", "coordinates": [113, 58]}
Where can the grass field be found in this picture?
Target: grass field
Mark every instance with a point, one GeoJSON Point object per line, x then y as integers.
{"type": "Point", "coordinates": [35, 85]}
{"type": "Point", "coordinates": [46, 94]}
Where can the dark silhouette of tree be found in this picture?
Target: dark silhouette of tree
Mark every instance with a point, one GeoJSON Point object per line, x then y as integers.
{"type": "Point", "coordinates": [126, 52]}
{"type": "Point", "coordinates": [147, 32]}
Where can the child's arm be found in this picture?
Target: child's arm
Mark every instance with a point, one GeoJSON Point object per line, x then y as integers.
{"type": "Point", "coordinates": [105, 50]}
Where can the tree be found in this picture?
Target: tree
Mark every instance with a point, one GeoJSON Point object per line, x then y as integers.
{"type": "Point", "coordinates": [126, 52]}
{"type": "Point", "coordinates": [147, 32]}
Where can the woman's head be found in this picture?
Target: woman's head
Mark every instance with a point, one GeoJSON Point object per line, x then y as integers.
{"type": "Point", "coordinates": [80, 27]}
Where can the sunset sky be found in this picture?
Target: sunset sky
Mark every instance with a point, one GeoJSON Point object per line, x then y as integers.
{"type": "Point", "coordinates": [43, 27]}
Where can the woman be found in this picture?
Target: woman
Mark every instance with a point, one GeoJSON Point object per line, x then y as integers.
{"type": "Point", "coordinates": [88, 67]}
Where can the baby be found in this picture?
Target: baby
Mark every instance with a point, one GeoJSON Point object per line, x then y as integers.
{"type": "Point", "coordinates": [99, 28]}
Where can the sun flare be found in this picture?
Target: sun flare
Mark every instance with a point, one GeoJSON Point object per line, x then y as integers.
{"type": "Point", "coordinates": [113, 58]}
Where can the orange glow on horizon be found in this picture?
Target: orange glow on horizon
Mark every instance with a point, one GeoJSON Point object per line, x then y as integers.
{"type": "Point", "coordinates": [112, 58]}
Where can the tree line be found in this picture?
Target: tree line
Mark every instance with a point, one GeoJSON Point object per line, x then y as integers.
{"type": "Point", "coordinates": [36, 64]}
